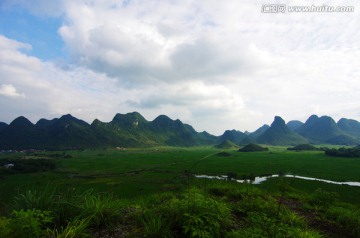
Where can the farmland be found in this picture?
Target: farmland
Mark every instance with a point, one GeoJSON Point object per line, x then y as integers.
{"type": "Point", "coordinates": [140, 174]}
{"type": "Point", "coordinates": [135, 172]}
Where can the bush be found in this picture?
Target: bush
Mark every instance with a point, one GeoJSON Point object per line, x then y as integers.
{"type": "Point", "coordinates": [22, 224]}
{"type": "Point", "coordinates": [202, 216]}
{"type": "Point", "coordinates": [344, 152]}
{"type": "Point", "coordinates": [191, 215]}
{"type": "Point", "coordinates": [155, 225]}
{"type": "Point", "coordinates": [27, 165]}
{"type": "Point", "coordinates": [253, 148]}
{"type": "Point", "coordinates": [304, 147]}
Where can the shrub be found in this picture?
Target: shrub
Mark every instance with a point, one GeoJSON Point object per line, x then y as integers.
{"type": "Point", "coordinates": [5, 229]}
{"type": "Point", "coordinates": [192, 215]}
{"type": "Point", "coordinates": [304, 147]}
{"type": "Point", "coordinates": [22, 224]}
{"type": "Point", "coordinates": [344, 152]}
{"type": "Point", "coordinates": [155, 225]}
{"type": "Point", "coordinates": [253, 148]}
{"type": "Point", "coordinates": [203, 217]}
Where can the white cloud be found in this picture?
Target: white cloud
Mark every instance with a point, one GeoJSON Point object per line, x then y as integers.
{"type": "Point", "coordinates": [9, 90]}
{"type": "Point", "coordinates": [52, 91]}
{"type": "Point", "coordinates": [215, 66]}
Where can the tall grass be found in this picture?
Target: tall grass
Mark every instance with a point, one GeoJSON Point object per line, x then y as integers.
{"type": "Point", "coordinates": [35, 199]}
{"type": "Point", "coordinates": [347, 217]}
{"type": "Point", "coordinates": [76, 228]}
{"type": "Point", "coordinates": [102, 209]}
{"type": "Point", "coordinates": [72, 211]}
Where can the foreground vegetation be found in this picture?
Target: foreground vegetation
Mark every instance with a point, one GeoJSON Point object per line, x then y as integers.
{"type": "Point", "coordinates": [223, 209]}
{"type": "Point", "coordinates": [152, 193]}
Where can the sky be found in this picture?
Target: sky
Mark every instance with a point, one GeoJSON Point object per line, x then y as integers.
{"type": "Point", "coordinates": [215, 65]}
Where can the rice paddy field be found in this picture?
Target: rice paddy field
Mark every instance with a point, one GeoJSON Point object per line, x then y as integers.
{"type": "Point", "coordinates": [153, 192]}
{"type": "Point", "coordinates": [137, 172]}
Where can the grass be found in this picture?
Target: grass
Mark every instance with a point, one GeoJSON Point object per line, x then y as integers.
{"type": "Point", "coordinates": [137, 172]}
{"type": "Point", "coordinates": [104, 189]}
{"type": "Point", "coordinates": [219, 209]}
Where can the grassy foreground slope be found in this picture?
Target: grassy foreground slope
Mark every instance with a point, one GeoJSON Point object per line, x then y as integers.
{"type": "Point", "coordinates": [204, 209]}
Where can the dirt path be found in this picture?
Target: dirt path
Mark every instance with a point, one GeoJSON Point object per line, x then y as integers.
{"type": "Point", "coordinates": [315, 222]}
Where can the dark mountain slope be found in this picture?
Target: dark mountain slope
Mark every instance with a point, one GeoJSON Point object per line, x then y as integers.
{"type": "Point", "coordinates": [259, 131]}
{"type": "Point", "coordinates": [252, 137]}
{"type": "Point", "coordinates": [125, 130]}
{"type": "Point", "coordinates": [233, 136]}
{"type": "Point", "coordinates": [293, 125]}
{"type": "Point", "coordinates": [69, 132]}
{"type": "Point", "coordinates": [350, 126]}
{"type": "Point", "coordinates": [20, 133]}
{"type": "Point", "coordinates": [280, 134]}
{"type": "Point", "coordinates": [3, 125]}
{"type": "Point", "coordinates": [45, 123]}
{"type": "Point", "coordinates": [324, 130]}
{"type": "Point", "coordinates": [129, 120]}
{"type": "Point", "coordinates": [133, 130]}
{"type": "Point", "coordinates": [175, 133]}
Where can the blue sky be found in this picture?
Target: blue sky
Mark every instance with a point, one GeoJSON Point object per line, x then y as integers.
{"type": "Point", "coordinates": [38, 31]}
{"type": "Point", "coordinates": [214, 66]}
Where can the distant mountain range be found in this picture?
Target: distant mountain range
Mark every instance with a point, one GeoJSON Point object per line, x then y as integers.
{"type": "Point", "coordinates": [133, 130]}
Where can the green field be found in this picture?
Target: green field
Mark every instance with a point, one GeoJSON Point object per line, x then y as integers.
{"type": "Point", "coordinates": [138, 172]}
{"type": "Point", "coordinates": [152, 192]}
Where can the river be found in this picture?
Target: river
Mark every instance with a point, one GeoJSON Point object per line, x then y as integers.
{"type": "Point", "coordinates": [261, 179]}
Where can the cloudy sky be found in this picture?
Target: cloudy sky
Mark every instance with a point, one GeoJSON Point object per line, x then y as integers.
{"type": "Point", "coordinates": [216, 65]}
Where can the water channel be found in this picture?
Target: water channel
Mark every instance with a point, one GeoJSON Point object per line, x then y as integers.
{"type": "Point", "coordinates": [261, 179]}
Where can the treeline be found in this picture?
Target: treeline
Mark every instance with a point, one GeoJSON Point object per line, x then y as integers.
{"type": "Point", "coordinates": [344, 152]}
{"type": "Point", "coordinates": [14, 166]}
{"type": "Point", "coordinates": [305, 147]}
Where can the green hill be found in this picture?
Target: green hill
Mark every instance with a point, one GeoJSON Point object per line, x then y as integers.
{"type": "Point", "coordinates": [259, 131]}
{"type": "Point", "coordinates": [293, 125]}
{"type": "Point", "coordinates": [251, 137]}
{"type": "Point", "coordinates": [20, 133]}
{"type": "Point", "coordinates": [70, 132]}
{"type": "Point", "coordinates": [133, 130]}
{"type": "Point", "coordinates": [322, 130]}
{"type": "Point", "coordinates": [280, 134]}
{"type": "Point", "coordinates": [176, 133]}
{"type": "Point", "coordinates": [233, 136]}
{"type": "Point", "coordinates": [350, 126]}
{"type": "Point", "coordinates": [343, 140]}
{"type": "Point", "coordinates": [125, 130]}
{"type": "Point", "coordinates": [227, 144]}
{"type": "Point", "coordinates": [253, 148]}
{"type": "Point", "coordinates": [3, 125]}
